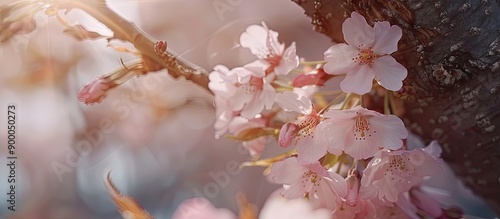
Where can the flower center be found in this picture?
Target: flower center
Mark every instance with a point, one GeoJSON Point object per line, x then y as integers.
{"type": "Point", "coordinates": [310, 177]}
{"type": "Point", "coordinates": [399, 166]}
{"type": "Point", "coordinates": [274, 61]}
{"type": "Point", "coordinates": [365, 56]}
{"type": "Point", "coordinates": [361, 127]}
{"type": "Point", "coordinates": [308, 125]}
{"type": "Point", "coordinates": [255, 84]}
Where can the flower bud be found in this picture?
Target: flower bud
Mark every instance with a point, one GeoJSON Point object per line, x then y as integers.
{"type": "Point", "coordinates": [353, 184]}
{"type": "Point", "coordinates": [425, 203]}
{"type": "Point", "coordinates": [95, 91]}
{"type": "Point", "coordinates": [287, 133]}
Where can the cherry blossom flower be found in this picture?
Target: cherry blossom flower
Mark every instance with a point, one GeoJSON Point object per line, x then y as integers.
{"type": "Point", "coordinates": [95, 91]}
{"type": "Point", "coordinates": [244, 91]}
{"type": "Point", "coordinates": [303, 129]}
{"type": "Point", "coordinates": [272, 55]}
{"type": "Point", "coordinates": [201, 208]}
{"type": "Point", "coordinates": [366, 56]}
{"type": "Point", "coordinates": [391, 173]}
{"type": "Point", "coordinates": [360, 132]}
{"type": "Point", "coordinates": [278, 207]}
{"type": "Point", "coordinates": [323, 189]}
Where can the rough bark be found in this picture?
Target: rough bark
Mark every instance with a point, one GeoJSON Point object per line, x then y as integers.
{"type": "Point", "coordinates": [452, 52]}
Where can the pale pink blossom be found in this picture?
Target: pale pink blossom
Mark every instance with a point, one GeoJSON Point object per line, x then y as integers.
{"type": "Point", "coordinates": [196, 208]}
{"type": "Point", "coordinates": [303, 129]}
{"type": "Point", "coordinates": [323, 189]}
{"type": "Point", "coordinates": [272, 55]}
{"type": "Point", "coordinates": [95, 91]}
{"type": "Point", "coordinates": [391, 173]}
{"type": "Point", "coordinates": [254, 146]}
{"type": "Point", "coordinates": [360, 132]}
{"type": "Point", "coordinates": [244, 92]}
{"type": "Point", "coordinates": [277, 207]}
{"type": "Point", "coordinates": [366, 56]}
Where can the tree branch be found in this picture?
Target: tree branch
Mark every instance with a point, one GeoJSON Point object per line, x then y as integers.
{"type": "Point", "coordinates": [129, 32]}
{"type": "Point", "coordinates": [452, 52]}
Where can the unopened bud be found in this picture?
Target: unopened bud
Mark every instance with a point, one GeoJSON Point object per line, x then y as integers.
{"type": "Point", "coordinates": [287, 133]}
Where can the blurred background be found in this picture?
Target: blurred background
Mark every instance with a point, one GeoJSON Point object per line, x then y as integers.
{"type": "Point", "coordinates": [155, 133]}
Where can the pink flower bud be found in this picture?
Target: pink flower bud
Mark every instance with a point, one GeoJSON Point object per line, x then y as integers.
{"type": "Point", "coordinates": [425, 203]}
{"type": "Point", "coordinates": [353, 183]}
{"type": "Point", "coordinates": [318, 79]}
{"type": "Point", "coordinates": [95, 91]}
{"type": "Point", "coordinates": [287, 133]}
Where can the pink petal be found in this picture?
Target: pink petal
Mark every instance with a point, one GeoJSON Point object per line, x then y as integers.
{"type": "Point", "coordinates": [267, 95]}
{"type": "Point", "coordinates": [424, 163]}
{"type": "Point", "coordinates": [339, 184]}
{"type": "Point", "coordinates": [252, 108]}
{"type": "Point", "coordinates": [390, 131]}
{"type": "Point", "coordinates": [288, 171]}
{"type": "Point", "coordinates": [374, 171]}
{"type": "Point", "coordinates": [389, 73]}
{"type": "Point", "coordinates": [287, 134]}
{"type": "Point", "coordinates": [291, 101]}
{"type": "Point", "coordinates": [309, 152]}
{"type": "Point", "coordinates": [360, 149]}
{"type": "Point", "coordinates": [359, 80]}
{"type": "Point", "coordinates": [386, 38]}
{"type": "Point", "coordinates": [357, 32]}
{"type": "Point", "coordinates": [426, 203]}
{"type": "Point", "coordinates": [339, 58]}
{"type": "Point", "coordinates": [289, 61]}
{"type": "Point", "coordinates": [434, 149]}
{"type": "Point", "coordinates": [330, 134]}
{"type": "Point", "coordinates": [325, 196]}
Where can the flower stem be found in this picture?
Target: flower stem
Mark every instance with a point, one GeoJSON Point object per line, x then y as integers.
{"type": "Point", "coordinates": [387, 105]}
{"type": "Point", "coordinates": [269, 161]}
{"type": "Point", "coordinates": [334, 101]}
{"type": "Point", "coordinates": [312, 62]}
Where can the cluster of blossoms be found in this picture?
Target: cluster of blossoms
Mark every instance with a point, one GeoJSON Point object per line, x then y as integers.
{"type": "Point", "coordinates": [347, 159]}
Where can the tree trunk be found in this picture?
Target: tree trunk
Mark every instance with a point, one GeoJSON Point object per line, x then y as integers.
{"type": "Point", "coordinates": [452, 53]}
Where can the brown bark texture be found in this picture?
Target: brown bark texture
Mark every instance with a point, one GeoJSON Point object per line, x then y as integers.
{"type": "Point", "coordinates": [452, 93]}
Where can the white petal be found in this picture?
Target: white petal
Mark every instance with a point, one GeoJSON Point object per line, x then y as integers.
{"type": "Point", "coordinates": [289, 61]}
{"type": "Point", "coordinates": [339, 58]}
{"type": "Point", "coordinates": [357, 32]}
{"type": "Point", "coordinates": [386, 38]}
{"type": "Point", "coordinates": [390, 131]}
{"type": "Point", "coordinates": [291, 101]}
{"type": "Point", "coordinates": [358, 81]}
{"type": "Point", "coordinates": [389, 73]}
{"type": "Point", "coordinates": [257, 68]}
{"type": "Point", "coordinates": [260, 40]}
